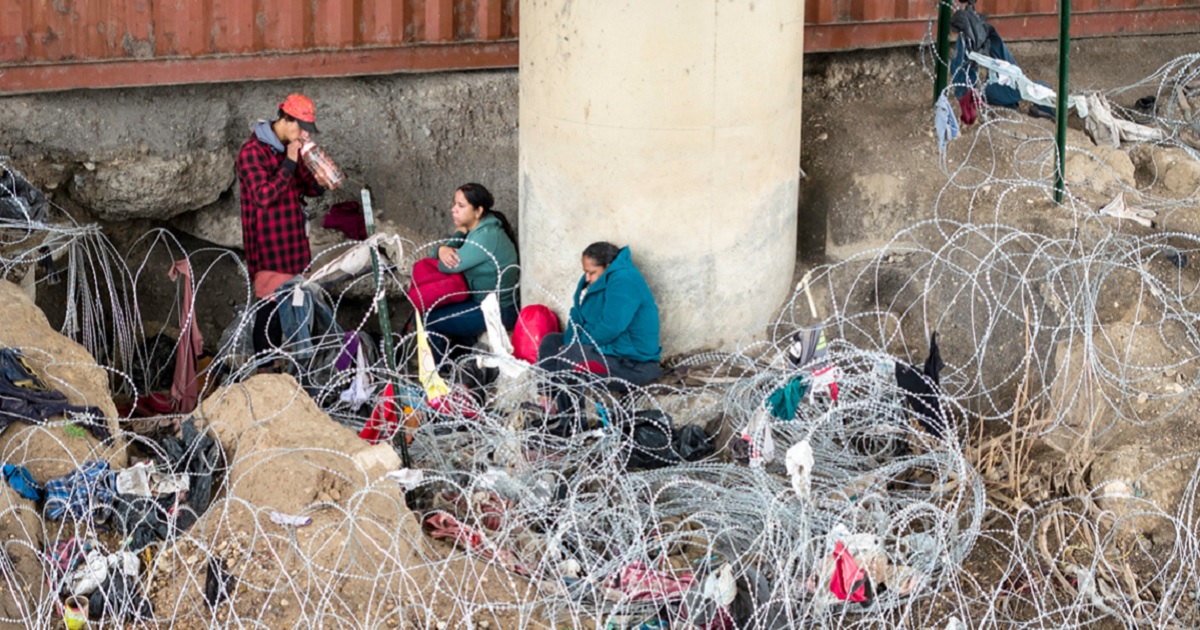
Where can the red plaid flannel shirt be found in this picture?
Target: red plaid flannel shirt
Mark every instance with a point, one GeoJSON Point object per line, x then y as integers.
{"type": "Point", "coordinates": [272, 210]}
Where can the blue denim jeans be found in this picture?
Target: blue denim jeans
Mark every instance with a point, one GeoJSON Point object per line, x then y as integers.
{"type": "Point", "coordinates": [460, 325]}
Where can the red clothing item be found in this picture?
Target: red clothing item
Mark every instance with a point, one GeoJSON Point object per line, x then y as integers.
{"type": "Point", "coordinates": [272, 210]}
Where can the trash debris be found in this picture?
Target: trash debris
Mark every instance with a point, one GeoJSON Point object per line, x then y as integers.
{"type": "Point", "coordinates": [135, 480]}
{"type": "Point", "coordinates": [638, 583]}
{"type": "Point", "coordinates": [219, 584]}
{"type": "Point", "coordinates": [290, 520]}
{"type": "Point", "coordinates": [1117, 208]}
{"type": "Point", "coordinates": [756, 444]}
{"type": "Point", "coordinates": [21, 480]}
{"type": "Point", "coordinates": [922, 390]}
{"type": "Point", "coordinates": [799, 464]}
{"type": "Point", "coordinates": [84, 494]}
{"type": "Point", "coordinates": [1176, 257]}
{"type": "Point", "coordinates": [945, 125]}
{"type": "Point", "coordinates": [20, 201]}
{"type": "Point", "coordinates": [75, 613]}
{"type": "Point", "coordinates": [1107, 130]}
{"type": "Point", "coordinates": [654, 442]}
{"type": "Point", "coordinates": [849, 582]}
{"type": "Point", "coordinates": [24, 397]}
{"type": "Point", "coordinates": [720, 586]}
{"type": "Point", "coordinates": [406, 477]}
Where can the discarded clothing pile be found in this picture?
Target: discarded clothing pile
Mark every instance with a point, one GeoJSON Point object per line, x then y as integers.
{"type": "Point", "coordinates": [110, 582]}
{"type": "Point", "coordinates": [469, 523]}
{"type": "Point", "coordinates": [718, 596]}
{"type": "Point", "coordinates": [25, 397]}
{"type": "Point", "coordinates": [154, 500]}
{"type": "Point", "coordinates": [85, 494]}
{"type": "Point", "coordinates": [21, 480]}
{"type": "Point", "coordinates": [979, 43]}
{"type": "Point", "coordinates": [20, 201]}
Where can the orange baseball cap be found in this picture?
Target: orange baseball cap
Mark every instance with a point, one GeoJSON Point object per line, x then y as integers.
{"type": "Point", "coordinates": [301, 108]}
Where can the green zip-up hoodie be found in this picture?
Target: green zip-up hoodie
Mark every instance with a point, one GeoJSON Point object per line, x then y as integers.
{"type": "Point", "coordinates": [617, 314]}
{"type": "Point", "coordinates": [475, 261]}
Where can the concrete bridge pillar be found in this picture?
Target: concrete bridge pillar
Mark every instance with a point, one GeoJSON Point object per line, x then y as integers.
{"type": "Point", "coordinates": [671, 126]}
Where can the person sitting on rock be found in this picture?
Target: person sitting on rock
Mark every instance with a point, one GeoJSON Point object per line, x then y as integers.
{"type": "Point", "coordinates": [613, 328]}
{"type": "Point", "coordinates": [483, 249]}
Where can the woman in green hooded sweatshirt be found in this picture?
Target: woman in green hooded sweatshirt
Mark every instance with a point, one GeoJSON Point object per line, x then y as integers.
{"type": "Point", "coordinates": [483, 249]}
{"type": "Point", "coordinates": [613, 329]}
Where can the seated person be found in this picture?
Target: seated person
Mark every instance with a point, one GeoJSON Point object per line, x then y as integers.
{"type": "Point", "coordinates": [613, 329]}
{"type": "Point", "coordinates": [483, 249]}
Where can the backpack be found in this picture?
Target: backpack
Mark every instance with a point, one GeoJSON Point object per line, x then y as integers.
{"type": "Point", "coordinates": [533, 324]}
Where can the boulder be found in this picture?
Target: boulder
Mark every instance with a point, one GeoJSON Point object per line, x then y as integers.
{"type": "Point", "coordinates": [1143, 479]}
{"type": "Point", "coordinates": [1182, 178]}
{"type": "Point", "coordinates": [1092, 402]}
{"type": "Point", "coordinates": [287, 455]}
{"type": "Point", "coordinates": [21, 530]}
{"type": "Point", "coordinates": [219, 223]}
{"type": "Point", "coordinates": [151, 186]}
{"type": "Point", "coordinates": [1101, 170]}
{"type": "Point", "coordinates": [1170, 171]}
{"type": "Point", "coordinates": [56, 449]}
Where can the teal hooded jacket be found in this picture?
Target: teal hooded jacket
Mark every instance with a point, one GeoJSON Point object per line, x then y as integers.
{"type": "Point", "coordinates": [618, 314]}
{"type": "Point", "coordinates": [475, 261]}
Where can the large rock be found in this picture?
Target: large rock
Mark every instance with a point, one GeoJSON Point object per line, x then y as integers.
{"type": "Point", "coordinates": [1093, 400]}
{"type": "Point", "coordinates": [153, 187]}
{"type": "Point", "coordinates": [363, 557]}
{"type": "Point", "coordinates": [219, 223]}
{"type": "Point", "coordinates": [56, 449]}
{"type": "Point", "coordinates": [1145, 478]}
{"type": "Point", "coordinates": [1182, 178]}
{"type": "Point", "coordinates": [1100, 169]}
{"type": "Point", "coordinates": [21, 530]}
{"type": "Point", "coordinates": [286, 455]}
{"type": "Point", "coordinates": [47, 451]}
{"type": "Point", "coordinates": [270, 419]}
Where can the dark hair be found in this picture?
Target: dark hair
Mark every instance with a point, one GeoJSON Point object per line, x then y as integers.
{"type": "Point", "coordinates": [479, 197]}
{"type": "Point", "coordinates": [282, 115]}
{"type": "Point", "coordinates": [602, 253]}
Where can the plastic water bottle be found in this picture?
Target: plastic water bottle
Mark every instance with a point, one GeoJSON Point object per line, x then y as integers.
{"type": "Point", "coordinates": [321, 165]}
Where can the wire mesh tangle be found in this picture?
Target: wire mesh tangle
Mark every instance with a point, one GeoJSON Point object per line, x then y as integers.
{"type": "Point", "coordinates": [1006, 505]}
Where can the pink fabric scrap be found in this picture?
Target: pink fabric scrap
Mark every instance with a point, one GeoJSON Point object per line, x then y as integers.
{"type": "Point", "coordinates": [641, 583]}
{"type": "Point", "coordinates": [185, 389]}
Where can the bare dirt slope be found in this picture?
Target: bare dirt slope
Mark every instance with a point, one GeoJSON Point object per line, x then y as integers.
{"type": "Point", "coordinates": [871, 158]}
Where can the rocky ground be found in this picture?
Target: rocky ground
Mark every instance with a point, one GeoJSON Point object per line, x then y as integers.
{"type": "Point", "coordinates": [872, 171]}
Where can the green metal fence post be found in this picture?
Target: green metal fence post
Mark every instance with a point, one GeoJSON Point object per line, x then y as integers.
{"type": "Point", "coordinates": [385, 320]}
{"type": "Point", "coordinates": [943, 48]}
{"type": "Point", "coordinates": [1060, 135]}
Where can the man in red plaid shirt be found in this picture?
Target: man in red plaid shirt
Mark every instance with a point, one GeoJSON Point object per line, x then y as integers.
{"type": "Point", "coordinates": [273, 179]}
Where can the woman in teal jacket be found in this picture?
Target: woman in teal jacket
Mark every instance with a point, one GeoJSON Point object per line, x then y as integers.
{"type": "Point", "coordinates": [483, 249]}
{"type": "Point", "coordinates": [613, 329]}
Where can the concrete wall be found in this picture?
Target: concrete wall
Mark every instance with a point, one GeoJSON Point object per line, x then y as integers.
{"type": "Point", "coordinates": [136, 153]}
{"type": "Point", "coordinates": [673, 127]}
